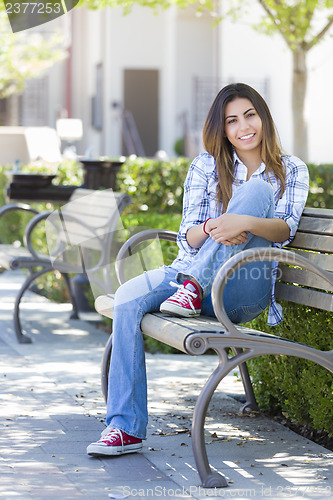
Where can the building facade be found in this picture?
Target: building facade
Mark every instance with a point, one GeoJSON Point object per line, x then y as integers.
{"type": "Point", "coordinates": [140, 82]}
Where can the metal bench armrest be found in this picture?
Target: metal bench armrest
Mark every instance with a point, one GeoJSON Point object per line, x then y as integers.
{"type": "Point", "coordinates": [17, 206]}
{"type": "Point", "coordinates": [246, 257]}
{"type": "Point", "coordinates": [43, 216]}
{"type": "Point", "coordinates": [135, 240]}
{"type": "Point", "coordinates": [28, 231]}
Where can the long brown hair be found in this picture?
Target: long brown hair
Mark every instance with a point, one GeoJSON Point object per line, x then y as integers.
{"type": "Point", "coordinates": [217, 144]}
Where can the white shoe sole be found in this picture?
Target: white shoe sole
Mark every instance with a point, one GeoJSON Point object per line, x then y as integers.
{"type": "Point", "coordinates": [97, 450]}
{"type": "Point", "coordinates": [181, 312]}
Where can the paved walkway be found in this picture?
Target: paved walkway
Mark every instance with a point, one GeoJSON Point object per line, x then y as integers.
{"type": "Point", "coordinates": [52, 408]}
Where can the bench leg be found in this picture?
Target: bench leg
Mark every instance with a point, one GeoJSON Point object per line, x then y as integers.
{"type": "Point", "coordinates": [75, 311]}
{"type": "Point", "coordinates": [21, 338]}
{"type": "Point", "coordinates": [251, 402]}
{"type": "Point", "coordinates": [208, 478]}
{"type": "Point", "coordinates": [105, 368]}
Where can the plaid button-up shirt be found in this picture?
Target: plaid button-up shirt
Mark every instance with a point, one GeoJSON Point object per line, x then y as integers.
{"type": "Point", "coordinates": [200, 203]}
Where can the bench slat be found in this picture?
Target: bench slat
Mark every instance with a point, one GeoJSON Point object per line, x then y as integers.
{"type": "Point", "coordinates": [303, 277]}
{"type": "Point", "coordinates": [102, 213]}
{"type": "Point", "coordinates": [102, 194]}
{"type": "Point", "coordinates": [312, 242]}
{"type": "Point", "coordinates": [311, 298]}
{"type": "Point", "coordinates": [95, 208]}
{"type": "Point", "coordinates": [168, 329]}
{"type": "Point", "coordinates": [91, 207]}
{"type": "Point", "coordinates": [316, 226]}
{"type": "Point", "coordinates": [324, 261]}
{"type": "Point", "coordinates": [76, 228]}
{"type": "Point", "coordinates": [90, 215]}
{"type": "Point", "coordinates": [317, 212]}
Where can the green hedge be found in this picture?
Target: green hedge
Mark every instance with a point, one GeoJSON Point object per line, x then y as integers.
{"type": "Point", "coordinates": [12, 224]}
{"type": "Point", "coordinates": [158, 186]}
{"type": "Point", "coordinates": [299, 389]}
{"type": "Point", "coordinates": [155, 186]}
{"type": "Point", "coordinates": [321, 187]}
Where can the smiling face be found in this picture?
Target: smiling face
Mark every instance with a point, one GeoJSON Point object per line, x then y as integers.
{"type": "Point", "coordinates": [243, 127]}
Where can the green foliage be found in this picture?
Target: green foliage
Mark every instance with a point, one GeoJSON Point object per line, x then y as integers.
{"type": "Point", "coordinates": [153, 184]}
{"type": "Point", "coordinates": [156, 5]}
{"type": "Point", "coordinates": [153, 220]}
{"type": "Point", "coordinates": [302, 24]}
{"type": "Point", "coordinates": [321, 188]}
{"type": "Point", "coordinates": [24, 56]}
{"type": "Point", "coordinates": [12, 224]}
{"type": "Point", "coordinates": [179, 146]}
{"type": "Point", "coordinates": [156, 188]}
{"type": "Point", "coordinates": [300, 389]}
{"type": "Point", "coordinates": [68, 172]}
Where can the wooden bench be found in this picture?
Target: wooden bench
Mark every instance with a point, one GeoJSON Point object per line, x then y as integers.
{"type": "Point", "coordinates": [306, 277]}
{"type": "Point", "coordinates": [81, 235]}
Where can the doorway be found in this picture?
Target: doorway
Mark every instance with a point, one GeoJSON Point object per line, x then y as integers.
{"type": "Point", "coordinates": [141, 100]}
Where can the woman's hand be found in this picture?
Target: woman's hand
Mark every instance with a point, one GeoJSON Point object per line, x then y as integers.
{"type": "Point", "coordinates": [228, 229]}
{"type": "Point", "coordinates": [231, 229]}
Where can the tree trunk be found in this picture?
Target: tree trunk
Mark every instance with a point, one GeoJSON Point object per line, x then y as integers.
{"type": "Point", "coordinates": [298, 104]}
{"type": "Point", "coordinates": [13, 110]}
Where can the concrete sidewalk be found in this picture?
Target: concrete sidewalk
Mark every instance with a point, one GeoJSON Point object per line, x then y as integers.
{"type": "Point", "coordinates": [52, 408]}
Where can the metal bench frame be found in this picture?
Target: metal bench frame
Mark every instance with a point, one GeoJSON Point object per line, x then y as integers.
{"type": "Point", "coordinates": [26, 257]}
{"type": "Point", "coordinates": [196, 336]}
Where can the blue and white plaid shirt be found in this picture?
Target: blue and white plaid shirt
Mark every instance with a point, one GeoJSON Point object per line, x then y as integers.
{"type": "Point", "coordinates": [199, 204]}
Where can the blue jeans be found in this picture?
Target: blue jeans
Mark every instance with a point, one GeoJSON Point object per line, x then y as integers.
{"type": "Point", "coordinates": [246, 296]}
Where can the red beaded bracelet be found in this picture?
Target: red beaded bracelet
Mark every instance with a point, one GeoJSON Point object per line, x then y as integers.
{"type": "Point", "coordinates": [204, 226]}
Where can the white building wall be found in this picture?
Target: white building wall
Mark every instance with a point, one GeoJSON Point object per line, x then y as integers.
{"type": "Point", "coordinates": [319, 109]}
{"type": "Point", "coordinates": [181, 46]}
{"type": "Point", "coordinates": [250, 57]}
{"type": "Point", "coordinates": [137, 41]}
{"type": "Point", "coordinates": [86, 54]}
{"type": "Point", "coordinates": [178, 46]}
{"type": "Point", "coordinates": [247, 55]}
{"type": "Point", "coordinates": [195, 57]}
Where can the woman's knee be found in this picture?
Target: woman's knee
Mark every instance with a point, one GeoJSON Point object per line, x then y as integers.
{"type": "Point", "coordinates": [259, 188]}
{"type": "Point", "coordinates": [256, 196]}
{"type": "Point", "coordinates": [137, 289]}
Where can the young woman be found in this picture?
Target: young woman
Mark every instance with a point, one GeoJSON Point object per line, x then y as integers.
{"type": "Point", "coordinates": [242, 193]}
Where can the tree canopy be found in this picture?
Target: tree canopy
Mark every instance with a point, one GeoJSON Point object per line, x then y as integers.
{"type": "Point", "coordinates": [25, 55]}
{"type": "Point", "coordinates": [127, 5]}
{"type": "Point", "coordinates": [302, 23]}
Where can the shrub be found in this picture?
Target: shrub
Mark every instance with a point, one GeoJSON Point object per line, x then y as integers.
{"type": "Point", "coordinates": [321, 189]}
{"type": "Point", "coordinates": [12, 224]}
{"type": "Point", "coordinates": [155, 186]}
{"type": "Point", "coordinates": [298, 388]}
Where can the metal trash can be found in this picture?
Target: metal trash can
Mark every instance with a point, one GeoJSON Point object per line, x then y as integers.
{"type": "Point", "coordinates": [100, 173]}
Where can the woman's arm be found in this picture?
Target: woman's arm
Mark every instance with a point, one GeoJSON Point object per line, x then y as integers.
{"type": "Point", "coordinates": [276, 229]}
{"type": "Point", "coordinates": [197, 203]}
{"type": "Point", "coordinates": [228, 226]}
{"type": "Point", "coordinates": [196, 237]}
{"type": "Point", "coordinates": [231, 229]}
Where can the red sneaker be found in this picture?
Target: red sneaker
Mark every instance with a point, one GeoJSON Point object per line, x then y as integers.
{"type": "Point", "coordinates": [114, 442]}
{"type": "Point", "coordinates": [185, 302]}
